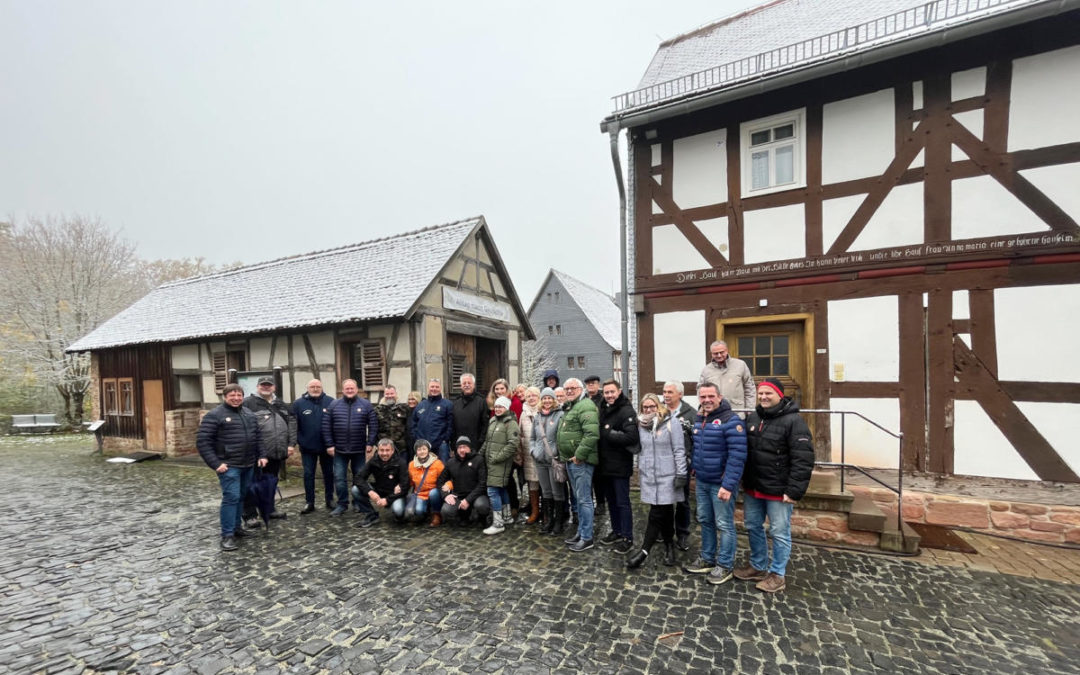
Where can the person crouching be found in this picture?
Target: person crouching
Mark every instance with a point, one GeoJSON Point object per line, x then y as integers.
{"type": "Point", "coordinates": [384, 480]}
{"type": "Point", "coordinates": [464, 482]}
{"type": "Point", "coordinates": [424, 470]}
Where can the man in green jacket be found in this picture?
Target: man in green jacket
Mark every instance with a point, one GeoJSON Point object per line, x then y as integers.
{"type": "Point", "coordinates": [578, 434]}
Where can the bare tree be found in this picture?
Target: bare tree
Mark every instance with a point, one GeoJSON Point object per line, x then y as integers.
{"type": "Point", "coordinates": [536, 357]}
{"type": "Point", "coordinates": [63, 276]}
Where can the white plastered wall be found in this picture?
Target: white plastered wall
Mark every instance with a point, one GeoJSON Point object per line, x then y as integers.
{"type": "Point", "coordinates": [699, 169]}
{"type": "Point", "coordinates": [981, 207]}
{"type": "Point", "coordinates": [898, 221]}
{"type": "Point", "coordinates": [774, 234]}
{"type": "Point", "coordinates": [678, 352]}
{"type": "Point", "coordinates": [864, 340]}
{"type": "Point", "coordinates": [864, 444]}
{"type": "Point", "coordinates": [185, 357]}
{"type": "Point", "coordinates": [1042, 98]}
{"type": "Point", "coordinates": [259, 353]}
{"type": "Point", "coordinates": [980, 447]}
{"type": "Point", "coordinates": [858, 136]}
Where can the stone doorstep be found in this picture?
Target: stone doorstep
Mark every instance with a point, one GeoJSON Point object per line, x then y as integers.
{"type": "Point", "coordinates": [905, 540]}
{"type": "Point", "coordinates": [824, 494]}
{"type": "Point", "coordinates": [865, 516]}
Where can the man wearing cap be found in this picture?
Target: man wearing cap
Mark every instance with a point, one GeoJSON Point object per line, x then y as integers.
{"type": "Point", "coordinates": [349, 428]}
{"type": "Point", "coordinates": [463, 481]}
{"type": "Point", "coordinates": [778, 467]}
{"type": "Point", "coordinates": [228, 441]}
{"type": "Point", "coordinates": [277, 428]}
{"type": "Point", "coordinates": [596, 395]}
{"type": "Point", "coordinates": [433, 420]}
{"type": "Point", "coordinates": [308, 411]}
{"type": "Point", "coordinates": [592, 390]}
{"type": "Point", "coordinates": [731, 376]}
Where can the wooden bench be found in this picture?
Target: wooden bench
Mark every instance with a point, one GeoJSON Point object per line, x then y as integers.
{"type": "Point", "coordinates": [33, 423]}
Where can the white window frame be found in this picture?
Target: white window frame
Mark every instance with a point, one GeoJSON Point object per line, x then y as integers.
{"type": "Point", "coordinates": [747, 129]}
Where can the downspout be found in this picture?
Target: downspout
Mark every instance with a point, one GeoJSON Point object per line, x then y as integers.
{"type": "Point", "coordinates": [613, 134]}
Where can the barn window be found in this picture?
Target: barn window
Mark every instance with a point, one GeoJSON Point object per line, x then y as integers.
{"type": "Point", "coordinates": [233, 359]}
{"type": "Point", "coordinates": [457, 369]}
{"type": "Point", "coordinates": [772, 153]}
{"type": "Point", "coordinates": [369, 365]}
{"type": "Point", "coordinates": [570, 362]}
{"type": "Point", "coordinates": [558, 329]}
{"type": "Point", "coordinates": [581, 362]}
{"type": "Point", "coordinates": [109, 399]}
{"type": "Point", "coordinates": [127, 396]}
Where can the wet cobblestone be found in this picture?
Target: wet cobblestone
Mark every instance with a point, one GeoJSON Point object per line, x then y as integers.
{"type": "Point", "coordinates": [117, 568]}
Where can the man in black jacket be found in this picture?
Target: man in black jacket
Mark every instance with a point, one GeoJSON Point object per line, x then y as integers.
{"type": "Point", "coordinates": [277, 429]}
{"type": "Point", "coordinates": [684, 413]}
{"type": "Point", "coordinates": [779, 462]}
{"type": "Point", "coordinates": [383, 482]}
{"type": "Point", "coordinates": [464, 482]}
{"type": "Point", "coordinates": [229, 443]}
{"type": "Point", "coordinates": [619, 442]}
{"type": "Point", "coordinates": [308, 411]}
{"type": "Point", "coordinates": [471, 414]}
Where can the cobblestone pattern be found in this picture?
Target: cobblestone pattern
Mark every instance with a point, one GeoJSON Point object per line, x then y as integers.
{"type": "Point", "coordinates": [117, 568]}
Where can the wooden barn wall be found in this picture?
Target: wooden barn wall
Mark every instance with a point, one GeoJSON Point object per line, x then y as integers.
{"type": "Point", "coordinates": [149, 362]}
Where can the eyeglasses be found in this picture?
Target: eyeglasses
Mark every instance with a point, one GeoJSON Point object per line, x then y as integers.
{"type": "Point", "coordinates": [571, 388]}
{"type": "Point", "coordinates": [651, 406]}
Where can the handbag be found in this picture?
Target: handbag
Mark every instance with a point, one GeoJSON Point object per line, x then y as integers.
{"type": "Point", "coordinates": [410, 501]}
{"type": "Point", "coordinates": [680, 478]}
{"type": "Point", "coordinates": [558, 467]}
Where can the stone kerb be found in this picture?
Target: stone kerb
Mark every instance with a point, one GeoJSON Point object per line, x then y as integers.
{"type": "Point", "coordinates": [181, 428]}
{"type": "Point", "coordinates": [1033, 522]}
{"type": "Point", "coordinates": [824, 526]}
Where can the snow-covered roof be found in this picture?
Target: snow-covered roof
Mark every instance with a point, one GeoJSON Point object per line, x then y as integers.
{"type": "Point", "coordinates": [326, 287]}
{"type": "Point", "coordinates": [599, 308]}
{"type": "Point", "coordinates": [783, 35]}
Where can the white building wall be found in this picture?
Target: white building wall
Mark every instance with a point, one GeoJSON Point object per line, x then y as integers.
{"type": "Point", "coordinates": [1035, 333]}
{"type": "Point", "coordinates": [1059, 183]}
{"type": "Point", "coordinates": [672, 252]}
{"type": "Point", "coordinates": [898, 221]}
{"type": "Point", "coordinates": [864, 340]}
{"type": "Point", "coordinates": [677, 345]}
{"type": "Point", "coordinates": [774, 234]}
{"type": "Point", "coordinates": [858, 136]}
{"type": "Point", "coordinates": [981, 207]}
{"type": "Point", "coordinates": [185, 357]}
{"type": "Point", "coordinates": [699, 169]}
{"type": "Point", "coordinates": [864, 444]}
{"type": "Point", "coordinates": [1043, 91]}
{"type": "Point", "coordinates": [980, 447]}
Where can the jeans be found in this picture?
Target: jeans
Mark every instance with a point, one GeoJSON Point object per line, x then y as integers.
{"type": "Point", "coordinates": [682, 512]}
{"type": "Point", "coordinates": [327, 463]}
{"type": "Point", "coordinates": [343, 479]}
{"type": "Point", "coordinates": [617, 495]}
{"type": "Point", "coordinates": [754, 512]}
{"type": "Point", "coordinates": [714, 514]}
{"type": "Point", "coordinates": [234, 485]}
{"type": "Point", "coordinates": [497, 496]}
{"type": "Point", "coordinates": [581, 477]}
{"type": "Point", "coordinates": [421, 507]}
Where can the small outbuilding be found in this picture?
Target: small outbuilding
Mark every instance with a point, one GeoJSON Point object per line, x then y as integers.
{"type": "Point", "coordinates": [435, 302]}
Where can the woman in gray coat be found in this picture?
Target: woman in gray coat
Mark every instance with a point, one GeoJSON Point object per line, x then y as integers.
{"type": "Point", "coordinates": [661, 475]}
{"type": "Point", "coordinates": [545, 425]}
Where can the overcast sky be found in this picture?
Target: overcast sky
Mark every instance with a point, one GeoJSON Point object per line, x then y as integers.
{"type": "Point", "coordinates": [254, 130]}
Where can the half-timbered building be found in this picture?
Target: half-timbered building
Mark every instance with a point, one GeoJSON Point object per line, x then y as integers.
{"type": "Point", "coordinates": [401, 310]}
{"type": "Point", "coordinates": [877, 202]}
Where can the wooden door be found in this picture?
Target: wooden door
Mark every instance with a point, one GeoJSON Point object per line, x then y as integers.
{"type": "Point", "coordinates": [461, 358]}
{"type": "Point", "coordinates": [773, 350]}
{"type": "Point", "coordinates": [154, 415]}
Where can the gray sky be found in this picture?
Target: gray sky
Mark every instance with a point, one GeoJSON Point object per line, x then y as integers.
{"type": "Point", "coordinates": [254, 130]}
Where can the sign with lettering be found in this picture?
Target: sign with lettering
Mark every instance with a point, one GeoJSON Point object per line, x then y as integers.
{"type": "Point", "coordinates": [475, 305]}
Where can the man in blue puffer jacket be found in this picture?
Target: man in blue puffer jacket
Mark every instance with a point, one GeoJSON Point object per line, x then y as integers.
{"type": "Point", "coordinates": [350, 428]}
{"type": "Point", "coordinates": [433, 421]}
{"type": "Point", "coordinates": [719, 457]}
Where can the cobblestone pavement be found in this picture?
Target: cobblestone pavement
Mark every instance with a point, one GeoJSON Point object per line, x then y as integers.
{"type": "Point", "coordinates": [117, 568]}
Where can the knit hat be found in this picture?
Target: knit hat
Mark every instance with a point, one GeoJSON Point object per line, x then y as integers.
{"type": "Point", "coordinates": [502, 402]}
{"type": "Point", "coordinates": [463, 440]}
{"type": "Point", "coordinates": [548, 391]}
{"type": "Point", "coordinates": [774, 384]}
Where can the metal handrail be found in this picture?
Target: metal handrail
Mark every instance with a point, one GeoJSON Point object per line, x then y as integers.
{"type": "Point", "coordinates": [921, 18]}
{"type": "Point", "coordinates": [844, 466]}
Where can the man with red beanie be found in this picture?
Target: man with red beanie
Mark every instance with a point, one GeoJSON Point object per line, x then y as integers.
{"type": "Point", "coordinates": [779, 461]}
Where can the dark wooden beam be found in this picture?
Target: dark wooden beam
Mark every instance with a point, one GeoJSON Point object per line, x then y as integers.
{"type": "Point", "coordinates": [939, 338]}
{"type": "Point", "coordinates": [734, 181]}
{"type": "Point", "coordinates": [696, 237]}
{"type": "Point", "coordinates": [912, 380]}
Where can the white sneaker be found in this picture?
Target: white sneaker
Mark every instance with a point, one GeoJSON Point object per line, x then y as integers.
{"type": "Point", "coordinates": [496, 526]}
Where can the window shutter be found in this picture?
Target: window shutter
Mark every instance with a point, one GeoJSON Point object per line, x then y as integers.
{"type": "Point", "coordinates": [373, 365]}
{"type": "Point", "coordinates": [457, 369]}
{"type": "Point", "coordinates": [221, 371]}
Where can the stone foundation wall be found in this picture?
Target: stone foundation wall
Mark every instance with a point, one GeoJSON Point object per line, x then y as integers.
{"type": "Point", "coordinates": [825, 526]}
{"type": "Point", "coordinates": [181, 427]}
{"type": "Point", "coordinates": [1034, 522]}
{"type": "Point", "coordinates": [112, 445]}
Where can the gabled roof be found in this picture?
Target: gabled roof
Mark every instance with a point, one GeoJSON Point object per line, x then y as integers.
{"type": "Point", "coordinates": [599, 307]}
{"type": "Point", "coordinates": [322, 288]}
{"type": "Point", "coordinates": [789, 37]}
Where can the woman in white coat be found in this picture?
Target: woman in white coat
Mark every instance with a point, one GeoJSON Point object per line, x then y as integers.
{"type": "Point", "coordinates": [661, 475]}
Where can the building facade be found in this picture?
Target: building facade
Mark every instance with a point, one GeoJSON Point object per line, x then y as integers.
{"type": "Point", "coordinates": [876, 203]}
{"type": "Point", "coordinates": [452, 308]}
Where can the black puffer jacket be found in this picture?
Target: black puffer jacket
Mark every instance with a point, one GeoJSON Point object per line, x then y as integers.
{"type": "Point", "coordinates": [229, 435]}
{"type": "Point", "coordinates": [382, 476]}
{"type": "Point", "coordinates": [780, 454]}
{"type": "Point", "coordinates": [471, 416]}
{"type": "Point", "coordinates": [619, 438]}
{"type": "Point", "coordinates": [469, 476]}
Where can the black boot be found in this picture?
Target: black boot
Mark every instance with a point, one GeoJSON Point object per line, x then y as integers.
{"type": "Point", "coordinates": [669, 554]}
{"type": "Point", "coordinates": [637, 559]}
{"type": "Point", "coordinates": [559, 516]}
{"type": "Point", "coordinates": [548, 509]}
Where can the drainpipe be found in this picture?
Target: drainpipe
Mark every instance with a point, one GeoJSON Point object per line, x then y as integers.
{"type": "Point", "coordinates": [613, 134]}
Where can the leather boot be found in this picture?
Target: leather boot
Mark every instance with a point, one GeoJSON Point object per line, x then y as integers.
{"type": "Point", "coordinates": [559, 517]}
{"type": "Point", "coordinates": [534, 507]}
{"type": "Point", "coordinates": [637, 559]}
{"type": "Point", "coordinates": [669, 554]}
{"type": "Point", "coordinates": [436, 520]}
{"type": "Point", "coordinates": [549, 517]}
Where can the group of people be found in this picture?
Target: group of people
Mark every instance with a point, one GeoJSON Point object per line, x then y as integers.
{"type": "Point", "coordinates": [571, 446]}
